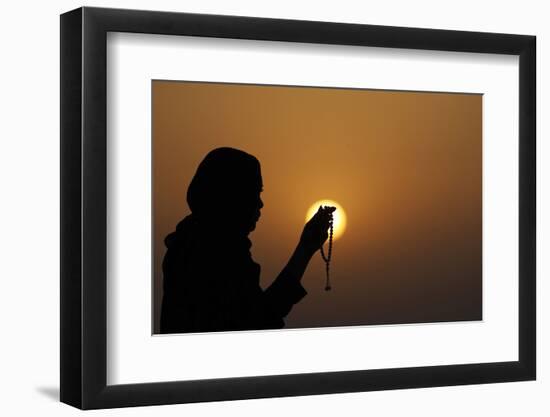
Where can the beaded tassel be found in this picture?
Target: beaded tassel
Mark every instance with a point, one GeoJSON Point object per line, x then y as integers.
{"type": "Point", "coordinates": [329, 255]}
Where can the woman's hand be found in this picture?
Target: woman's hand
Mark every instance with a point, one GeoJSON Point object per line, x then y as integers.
{"type": "Point", "coordinates": [315, 231]}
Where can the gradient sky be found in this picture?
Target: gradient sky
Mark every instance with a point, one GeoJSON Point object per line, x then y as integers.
{"type": "Point", "coordinates": [405, 166]}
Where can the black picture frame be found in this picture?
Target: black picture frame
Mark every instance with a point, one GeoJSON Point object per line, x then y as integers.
{"type": "Point", "coordinates": [84, 207]}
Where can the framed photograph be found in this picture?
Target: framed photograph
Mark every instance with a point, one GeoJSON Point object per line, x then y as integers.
{"type": "Point", "coordinates": [257, 207]}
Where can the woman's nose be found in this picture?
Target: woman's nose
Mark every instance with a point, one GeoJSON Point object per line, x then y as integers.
{"type": "Point", "coordinates": [261, 203]}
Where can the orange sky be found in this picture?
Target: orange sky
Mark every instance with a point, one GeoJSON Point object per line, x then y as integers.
{"type": "Point", "coordinates": [405, 166]}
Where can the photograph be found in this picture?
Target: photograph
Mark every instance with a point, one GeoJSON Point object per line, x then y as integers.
{"type": "Point", "coordinates": [284, 207]}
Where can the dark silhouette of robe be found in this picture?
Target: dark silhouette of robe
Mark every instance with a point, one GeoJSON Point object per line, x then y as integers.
{"type": "Point", "coordinates": [211, 283]}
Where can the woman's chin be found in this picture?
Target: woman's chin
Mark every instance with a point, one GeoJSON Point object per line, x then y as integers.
{"type": "Point", "coordinates": [252, 226]}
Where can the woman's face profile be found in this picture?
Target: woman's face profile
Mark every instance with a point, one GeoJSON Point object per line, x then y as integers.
{"type": "Point", "coordinates": [249, 202]}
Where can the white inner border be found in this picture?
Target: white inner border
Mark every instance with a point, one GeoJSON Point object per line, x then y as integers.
{"type": "Point", "coordinates": [135, 356]}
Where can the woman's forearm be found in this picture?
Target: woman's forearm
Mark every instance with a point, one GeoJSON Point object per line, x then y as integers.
{"type": "Point", "coordinates": [286, 290]}
{"type": "Point", "coordinates": [297, 264]}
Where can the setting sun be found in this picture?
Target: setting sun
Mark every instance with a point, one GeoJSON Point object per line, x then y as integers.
{"type": "Point", "coordinates": [339, 216]}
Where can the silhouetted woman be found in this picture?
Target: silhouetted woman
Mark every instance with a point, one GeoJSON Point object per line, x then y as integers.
{"type": "Point", "coordinates": [211, 282]}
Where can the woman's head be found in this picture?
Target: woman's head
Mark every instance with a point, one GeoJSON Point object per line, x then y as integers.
{"type": "Point", "coordinates": [225, 191]}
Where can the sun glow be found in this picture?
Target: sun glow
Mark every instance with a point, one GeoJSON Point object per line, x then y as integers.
{"type": "Point", "coordinates": [339, 214]}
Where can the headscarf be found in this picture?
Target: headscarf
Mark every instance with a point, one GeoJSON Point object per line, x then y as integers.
{"type": "Point", "coordinates": [218, 191]}
{"type": "Point", "coordinates": [224, 175]}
